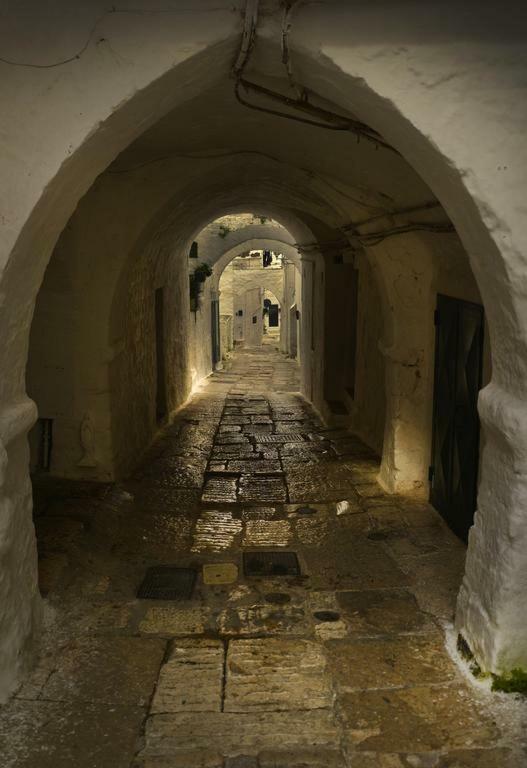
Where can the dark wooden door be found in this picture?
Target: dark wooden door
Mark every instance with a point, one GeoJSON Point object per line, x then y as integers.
{"type": "Point", "coordinates": [161, 390]}
{"type": "Point", "coordinates": [455, 440]}
{"type": "Point", "coordinates": [215, 331]}
{"type": "Point", "coordinates": [273, 316]}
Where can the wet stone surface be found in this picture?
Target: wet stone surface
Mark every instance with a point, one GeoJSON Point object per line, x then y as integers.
{"type": "Point", "coordinates": [342, 665]}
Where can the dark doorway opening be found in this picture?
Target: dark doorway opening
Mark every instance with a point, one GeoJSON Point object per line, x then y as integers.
{"type": "Point", "coordinates": [455, 436]}
{"type": "Point", "coordinates": [161, 391]}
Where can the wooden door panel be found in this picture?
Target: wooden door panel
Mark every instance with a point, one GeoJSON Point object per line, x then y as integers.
{"type": "Point", "coordinates": [455, 444]}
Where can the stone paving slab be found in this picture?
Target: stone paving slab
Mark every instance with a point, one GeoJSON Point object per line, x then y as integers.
{"type": "Point", "coordinates": [276, 674]}
{"type": "Point", "coordinates": [303, 758]}
{"type": "Point", "coordinates": [220, 490]}
{"type": "Point", "coordinates": [263, 620]}
{"type": "Point", "coordinates": [358, 566]}
{"type": "Point", "coordinates": [43, 734]}
{"type": "Point", "coordinates": [203, 758]}
{"type": "Point", "coordinates": [261, 490]}
{"type": "Point", "coordinates": [111, 671]}
{"type": "Point", "coordinates": [329, 482]}
{"type": "Point", "coordinates": [239, 732]}
{"type": "Point", "coordinates": [380, 612]}
{"type": "Point", "coordinates": [390, 662]}
{"type": "Point", "coordinates": [417, 719]}
{"type": "Point", "coordinates": [267, 533]}
{"type": "Point", "coordinates": [215, 531]}
{"type": "Point", "coordinates": [480, 758]}
{"type": "Point", "coordinates": [191, 679]}
{"type": "Point", "coordinates": [237, 450]}
{"type": "Point", "coordinates": [171, 620]}
{"type": "Point", "coordinates": [258, 466]}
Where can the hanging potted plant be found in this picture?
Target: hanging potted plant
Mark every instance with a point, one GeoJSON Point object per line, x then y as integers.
{"type": "Point", "coordinates": [196, 280]}
{"type": "Point", "coordinates": [201, 273]}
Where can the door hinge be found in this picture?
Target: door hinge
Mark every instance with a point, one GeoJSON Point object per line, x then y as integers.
{"type": "Point", "coordinates": [436, 317]}
{"type": "Point", "coordinates": [431, 473]}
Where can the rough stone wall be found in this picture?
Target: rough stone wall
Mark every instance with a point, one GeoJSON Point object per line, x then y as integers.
{"type": "Point", "coordinates": [200, 335]}
{"type": "Point", "coordinates": [92, 348]}
{"type": "Point", "coordinates": [312, 329]}
{"type": "Point", "coordinates": [412, 271]}
{"type": "Point", "coordinates": [368, 407]}
{"type": "Point", "coordinates": [133, 374]}
{"type": "Point", "coordinates": [290, 298]}
{"type": "Point", "coordinates": [51, 373]}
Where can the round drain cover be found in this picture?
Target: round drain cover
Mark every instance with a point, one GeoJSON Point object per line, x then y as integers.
{"type": "Point", "coordinates": [278, 598]}
{"type": "Point", "coordinates": [327, 615]}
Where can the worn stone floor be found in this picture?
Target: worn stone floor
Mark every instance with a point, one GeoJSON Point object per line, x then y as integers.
{"type": "Point", "coordinates": [343, 665]}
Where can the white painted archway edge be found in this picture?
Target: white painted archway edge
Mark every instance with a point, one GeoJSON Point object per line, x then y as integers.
{"type": "Point", "coordinates": [46, 178]}
{"type": "Point", "coordinates": [255, 244]}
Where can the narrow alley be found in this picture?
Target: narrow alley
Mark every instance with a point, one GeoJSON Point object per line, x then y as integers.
{"type": "Point", "coordinates": [302, 616]}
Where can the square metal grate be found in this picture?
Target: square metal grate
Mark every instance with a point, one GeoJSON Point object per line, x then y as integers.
{"type": "Point", "coordinates": [166, 582]}
{"type": "Point", "coordinates": [265, 563]}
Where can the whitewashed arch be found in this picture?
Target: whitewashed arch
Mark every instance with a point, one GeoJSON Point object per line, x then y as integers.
{"type": "Point", "coordinates": [479, 182]}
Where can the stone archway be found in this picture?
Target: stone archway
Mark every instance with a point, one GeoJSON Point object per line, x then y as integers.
{"type": "Point", "coordinates": [488, 220]}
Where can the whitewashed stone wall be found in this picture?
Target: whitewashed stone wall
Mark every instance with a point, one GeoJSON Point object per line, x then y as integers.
{"type": "Point", "coordinates": [446, 92]}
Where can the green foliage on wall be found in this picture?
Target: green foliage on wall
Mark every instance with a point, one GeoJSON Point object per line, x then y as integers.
{"type": "Point", "coordinates": [196, 280]}
{"type": "Point", "coordinates": [513, 682]}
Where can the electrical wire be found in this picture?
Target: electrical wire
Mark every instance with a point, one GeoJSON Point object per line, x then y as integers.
{"type": "Point", "coordinates": [399, 212]}
{"type": "Point", "coordinates": [84, 47]}
{"type": "Point", "coordinates": [60, 63]}
{"type": "Point", "coordinates": [250, 21]}
{"type": "Point", "coordinates": [325, 118]}
{"type": "Point", "coordinates": [286, 55]}
{"type": "Point", "coordinates": [375, 238]}
{"type": "Point", "coordinates": [343, 124]}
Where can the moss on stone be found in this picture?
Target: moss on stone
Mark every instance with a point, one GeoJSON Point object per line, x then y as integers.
{"type": "Point", "coordinates": [514, 681]}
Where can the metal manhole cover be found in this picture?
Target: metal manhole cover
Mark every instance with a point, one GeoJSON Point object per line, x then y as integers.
{"type": "Point", "coordinates": [265, 563]}
{"type": "Point", "coordinates": [284, 437]}
{"type": "Point", "coordinates": [166, 582]}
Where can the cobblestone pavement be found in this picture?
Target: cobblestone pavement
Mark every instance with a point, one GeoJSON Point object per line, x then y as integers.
{"type": "Point", "coordinates": [341, 664]}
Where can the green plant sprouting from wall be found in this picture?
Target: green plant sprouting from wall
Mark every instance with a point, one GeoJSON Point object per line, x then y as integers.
{"type": "Point", "coordinates": [514, 681]}
{"type": "Point", "coordinates": [224, 230]}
